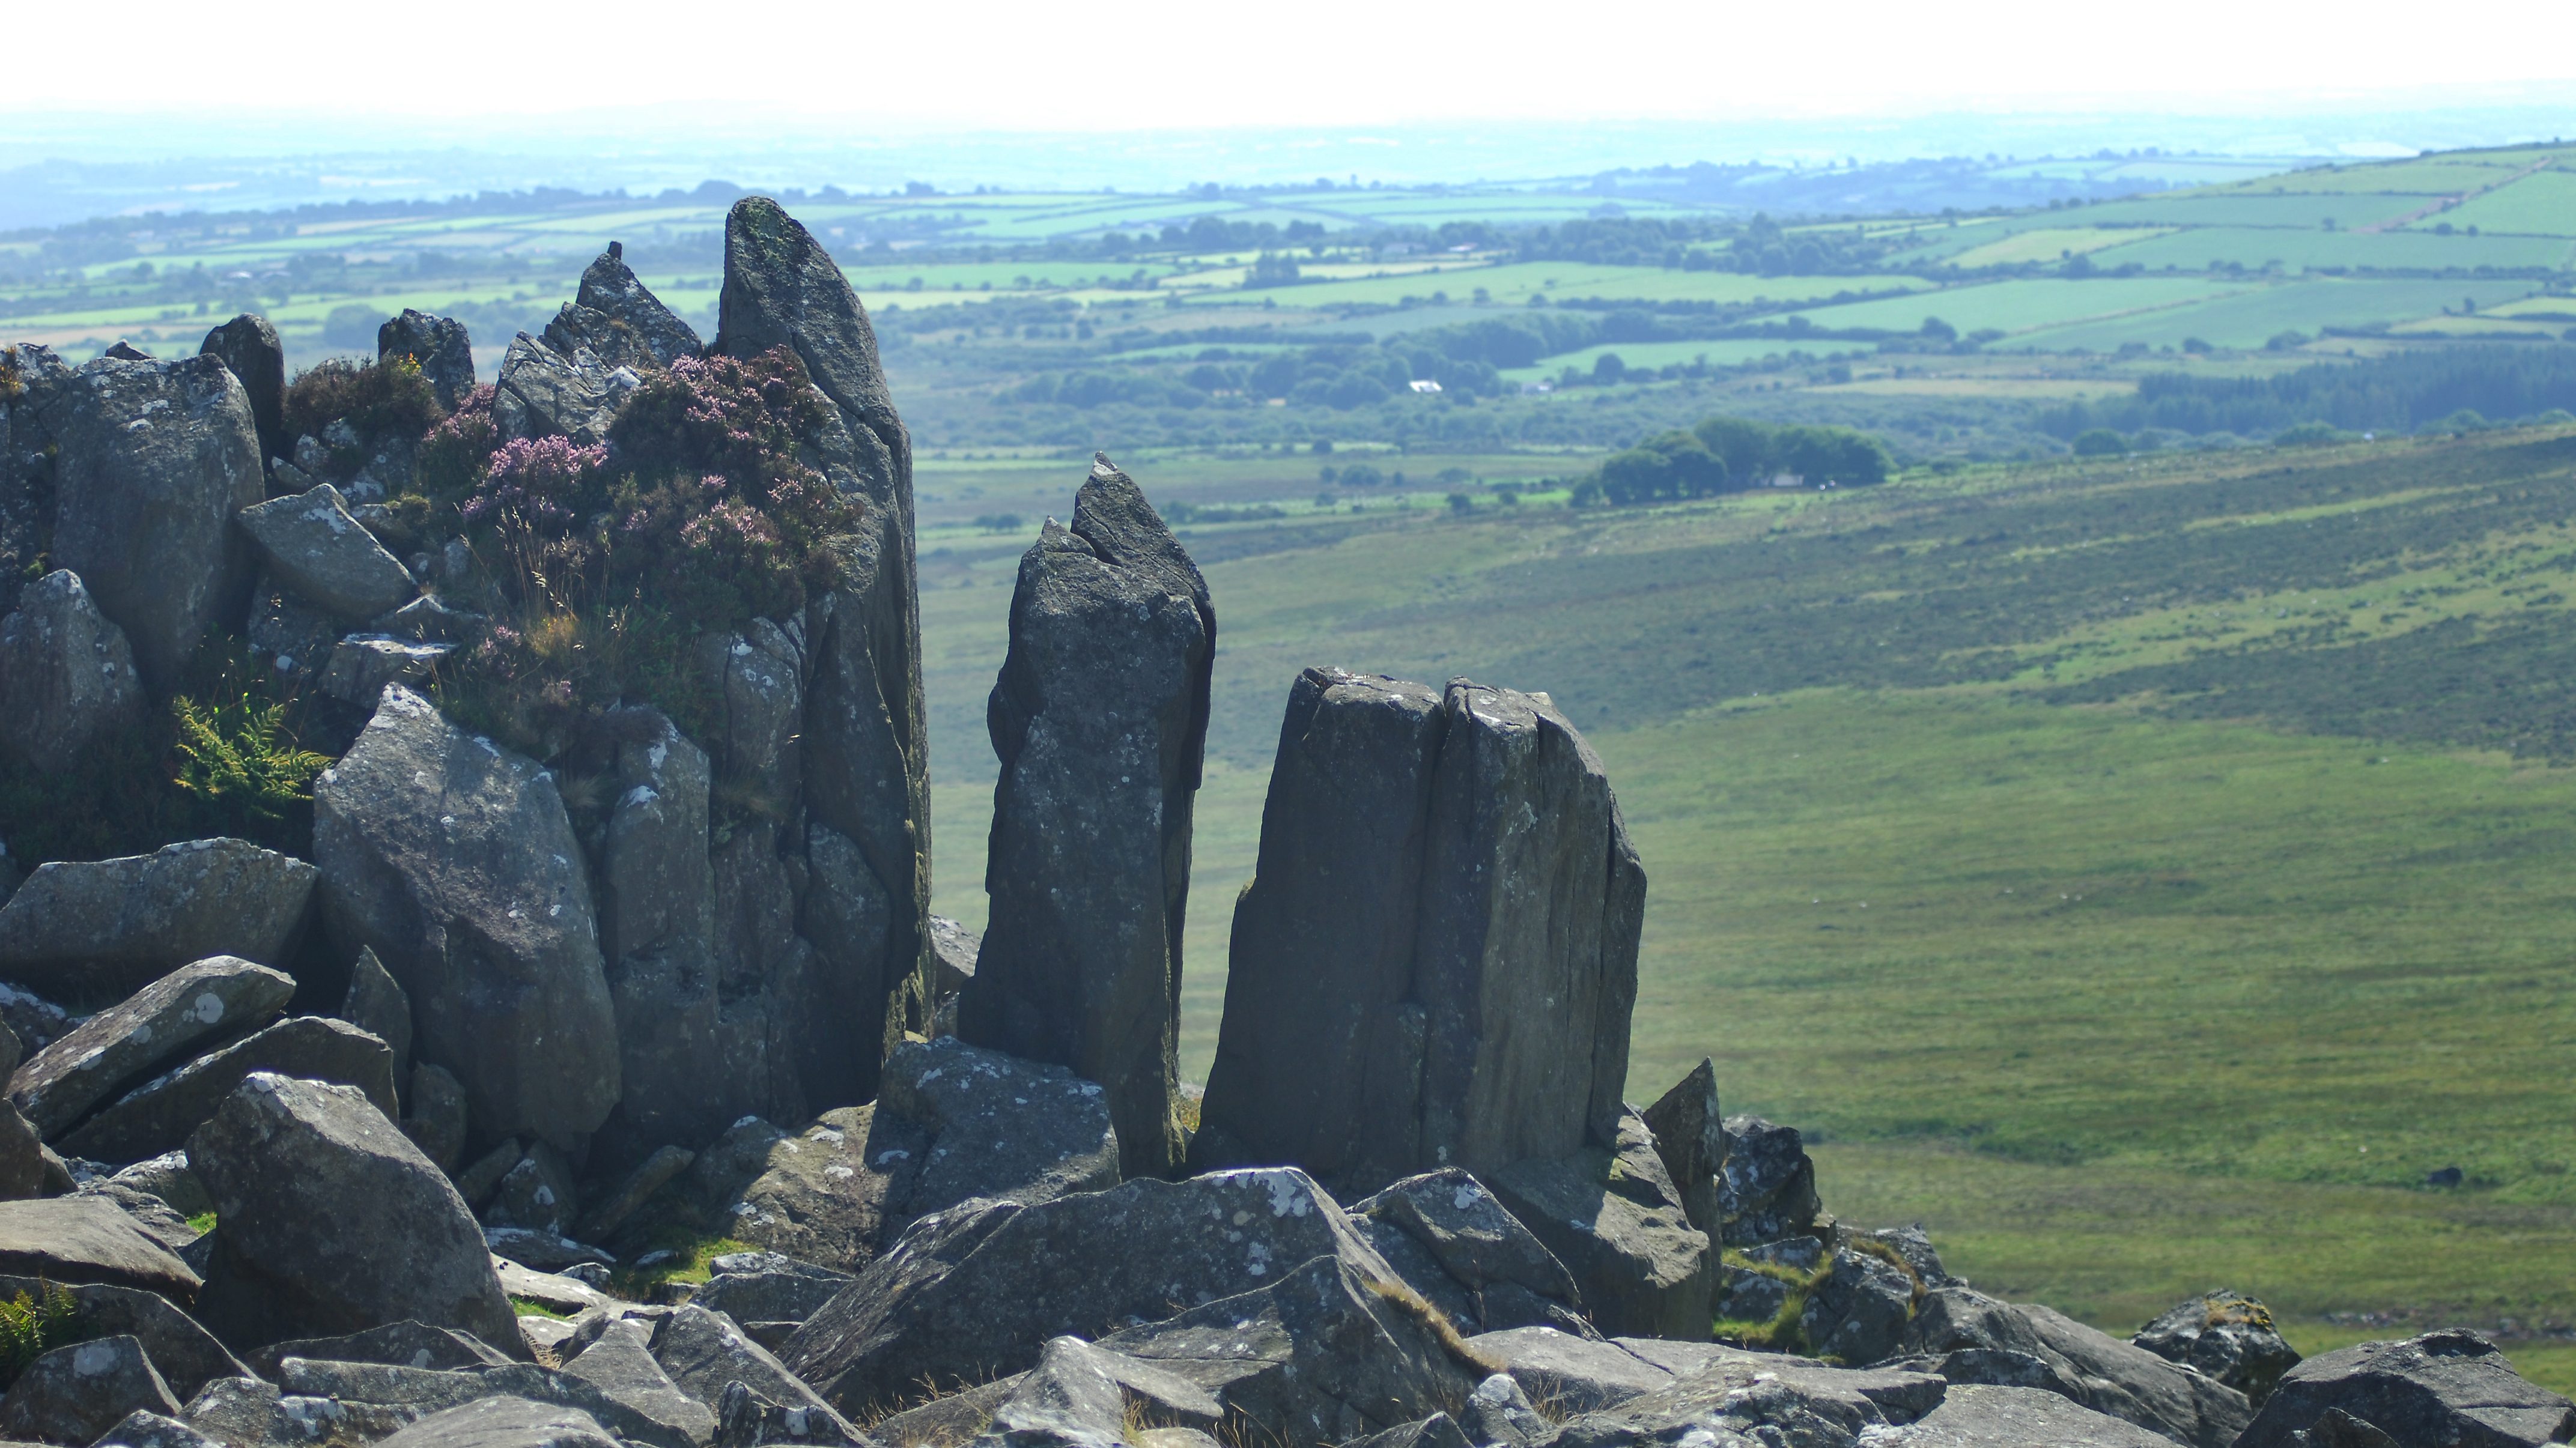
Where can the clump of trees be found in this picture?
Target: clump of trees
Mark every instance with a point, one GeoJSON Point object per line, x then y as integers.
{"type": "Point", "coordinates": [1734, 454]}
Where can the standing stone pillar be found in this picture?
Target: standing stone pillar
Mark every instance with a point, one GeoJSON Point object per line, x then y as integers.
{"type": "Point", "coordinates": [1100, 719]}
{"type": "Point", "coordinates": [1436, 961]}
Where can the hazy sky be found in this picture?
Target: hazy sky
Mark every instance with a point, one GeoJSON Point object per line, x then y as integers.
{"type": "Point", "coordinates": [1159, 63]}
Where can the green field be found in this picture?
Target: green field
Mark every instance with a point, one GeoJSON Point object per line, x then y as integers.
{"type": "Point", "coordinates": [2143, 875]}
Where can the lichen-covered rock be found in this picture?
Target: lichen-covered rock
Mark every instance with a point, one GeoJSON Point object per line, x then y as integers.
{"type": "Point", "coordinates": [144, 1428]}
{"type": "Point", "coordinates": [107, 927]}
{"type": "Point", "coordinates": [184, 1353]}
{"type": "Point", "coordinates": [2228, 1336]}
{"type": "Point", "coordinates": [1858, 1313]}
{"type": "Point", "coordinates": [1616, 1221]}
{"type": "Point", "coordinates": [1972, 1416]}
{"type": "Point", "coordinates": [401, 1344]}
{"type": "Point", "coordinates": [543, 393]}
{"type": "Point", "coordinates": [1085, 1396]}
{"type": "Point", "coordinates": [1966, 1336]}
{"type": "Point", "coordinates": [159, 1115]}
{"type": "Point", "coordinates": [979, 1288]}
{"type": "Point", "coordinates": [1433, 865]}
{"type": "Point", "coordinates": [1743, 1399]}
{"type": "Point", "coordinates": [1767, 1186]}
{"type": "Point", "coordinates": [997, 1127]}
{"type": "Point", "coordinates": [1100, 719]}
{"type": "Point", "coordinates": [537, 1194]}
{"type": "Point", "coordinates": [75, 1394]}
{"type": "Point", "coordinates": [221, 995]}
{"type": "Point", "coordinates": [619, 1362]}
{"type": "Point", "coordinates": [454, 860]}
{"type": "Point", "coordinates": [66, 674]}
{"type": "Point", "coordinates": [311, 544]}
{"type": "Point", "coordinates": [702, 1351]}
{"type": "Point", "coordinates": [2448, 1388]}
{"type": "Point", "coordinates": [768, 1287]}
{"type": "Point", "coordinates": [331, 1222]}
{"type": "Point", "coordinates": [375, 1003]}
{"type": "Point", "coordinates": [155, 460]}
{"type": "Point", "coordinates": [439, 344]}
{"type": "Point", "coordinates": [359, 669]}
{"type": "Point", "coordinates": [1579, 1375]}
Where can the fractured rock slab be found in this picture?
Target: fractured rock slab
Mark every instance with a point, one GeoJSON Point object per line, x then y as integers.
{"type": "Point", "coordinates": [102, 927]}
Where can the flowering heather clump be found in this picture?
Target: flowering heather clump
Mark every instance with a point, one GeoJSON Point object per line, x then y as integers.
{"type": "Point", "coordinates": [543, 484]}
{"type": "Point", "coordinates": [455, 452]}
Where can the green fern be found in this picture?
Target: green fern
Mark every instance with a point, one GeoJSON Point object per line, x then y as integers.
{"type": "Point", "coordinates": [239, 759]}
{"type": "Point", "coordinates": [31, 1327]}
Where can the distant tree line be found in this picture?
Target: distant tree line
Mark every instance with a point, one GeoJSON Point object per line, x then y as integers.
{"type": "Point", "coordinates": [1735, 454]}
{"type": "Point", "coordinates": [2398, 393]}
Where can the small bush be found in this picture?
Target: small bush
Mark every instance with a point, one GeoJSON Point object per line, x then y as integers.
{"type": "Point", "coordinates": [34, 1325]}
{"type": "Point", "coordinates": [238, 761]}
{"type": "Point", "coordinates": [377, 399]}
{"type": "Point", "coordinates": [2100, 442]}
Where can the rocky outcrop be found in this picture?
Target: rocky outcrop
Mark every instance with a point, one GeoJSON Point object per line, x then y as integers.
{"type": "Point", "coordinates": [1971, 1416]}
{"type": "Point", "coordinates": [610, 292]}
{"type": "Point", "coordinates": [864, 756]}
{"type": "Point", "coordinates": [544, 393]}
{"type": "Point", "coordinates": [88, 1239]}
{"type": "Point", "coordinates": [439, 344]}
{"type": "Point", "coordinates": [311, 544]}
{"type": "Point", "coordinates": [66, 674]}
{"type": "Point", "coordinates": [1448, 1237]}
{"type": "Point", "coordinates": [2226, 1335]}
{"type": "Point", "coordinates": [981, 1287]}
{"type": "Point", "coordinates": [454, 861]}
{"type": "Point", "coordinates": [74, 1394]}
{"type": "Point", "coordinates": [1766, 1189]}
{"type": "Point", "coordinates": [331, 1221]}
{"type": "Point", "coordinates": [185, 1354]}
{"type": "Point", "coordinates": [220, 996]}
{"type": "Point", "coordinates": [2449, 1388]}
{"type": "Point", "coordinates": [249, 349]}
{"type": "Point", "coordinates": [1690, 1136]}
{"type": "Point", "coordinates": [1730, 1399]}
{"type": "Point", "coordinates": [156, 459]}
{"type": "Point", "coordinates": [1616, 1221]}
{"type": "Point", "coordinates": [1100, 719]}
{"type": "Point", "coordinates": [1434, 864]}
{"type": "Point", "coordinates": [1968, 1337]}
{"type": "Point", "coordinates": [103, 928]}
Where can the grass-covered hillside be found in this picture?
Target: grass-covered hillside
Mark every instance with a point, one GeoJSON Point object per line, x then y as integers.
{"type": "Point", "coordinates": [1548, 314]}
{"type": "Point", "coordinates": [2144, 872]}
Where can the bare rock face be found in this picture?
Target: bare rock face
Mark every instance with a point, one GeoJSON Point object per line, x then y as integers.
{"type": "Point", "coordinates": [106, 927]}
{"type": "Point", "coordinates": [454, 861]}
{"type": "Point", "coordinates": [156, 459]}
{"type": "Point", "coordinates": [2449, 1387]}
{"type": "Point", "coordinates": [980, 1288]}
{"type": "Point", "coordinates": [221, 995]}
{"type": "Point", "coordinates": [1436, 961]}
{"type": "Point", "coordinates": [311, 544]}
{"type": "Point", "coordinates": [248, 346]}
{"type": "Point", "coordinates": [864, 756]}
{"type": "Point", "coordinates": [66, 674]}
{"type": "Point", "coordinates": [1100, 719]}
{"type": "Point", "coordinates": [332, 1222]}
{"type": "Point", "coordinates": [1616, 1220]}
{"type": "Point", "coordinates": [441, 347]}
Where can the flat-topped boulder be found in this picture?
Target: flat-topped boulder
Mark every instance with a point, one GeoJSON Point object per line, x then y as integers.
{"type": "Point", "coordinates": [107, 927]}
{"type": "Point", "coordinates": [310, 543]}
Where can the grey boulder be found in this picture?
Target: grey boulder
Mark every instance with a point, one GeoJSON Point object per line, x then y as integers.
{"type": "Point", "coordinates": [249, 349]}
{"type": "Point", "coordinates": [1973, 1416]}
{"type": "Point", "coordinates": [144, 1428]}
{"type": "Point", "coordinates": [1690, 1136]}
{"type": "Point", "coordinates": [1616, 1221]}
{"type": "Point", "coordinates": [506, 1422]}
{"type": "Point", "coordinates": [610, 290]}
{"type": "Point", "coordinates": [88, 1239]}
{"type": "Point", "coordinates": [313, 547]}
{"type": "Point", "coordinates": [2228, 1336]}
{"type": "Point", "coordinates": [1100, 720]}
{"type": "Point", "coordinates": [1436, 960]}
{"type": "Point", "coordinates": [2451, 1388]}
{"type": "Point", "coordinates": [454, 860]}
{"type": "Point", "coordinates": [107, 927]}
{"type": "Point", "coordinates": [159, 1115]}
{"type": "Point", "coordinates": [441, 347]}
{"type": "Point", "coordinates": [701, 1351]}
{"type": "Point", "coordinates": [357, 669]}
{"type": "Point", "coordinates": [1323, 1355]}
{"type": "Point", "coordinates": [768, 1287]}
{"type": "Point", "coordinates": [66, 674]}
{"type": "Point", "coordinates": [186, 1355]}
{"type": "Point", "coordinates": [155, 460]}
{"type": "Point", "coordinates": [376, 1004]}
{"type": "Point", "coordinates": [218, 996]}
{"type": "Point", "coordinates": [1966, 1336]}
{"type": "Point", "coordinates": [73, 1395]}
{"type": "Point", "coordinates": [981, 1287]}
{"type": "Point", "coordinates": [619, 1362]}
{"type": "Point", "coordinates": [1454, 1242]}
{"type": "Point", "coordinates": [332, 1222]}
{"type": "Point", "coordinates": [405, 1344]}
{"type": "Point", "coordinates": [544, 393]}
{"type": "Point", "coordinates": [1740, 1399]}
{"type": "Point", "coordinates": [997, 1126]}
{"type": "Point", "coordinates": [1083, 1396]}
{"type": "Point", "coordinates": [1858, 1313]}
{"type": "Point", "coordinates": [1767, 1186]}
{"type": "Point", "coordinates": [1579, 1375]}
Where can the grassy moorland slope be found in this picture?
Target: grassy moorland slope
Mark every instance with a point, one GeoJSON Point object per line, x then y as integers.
{"type": "Point", "coordinates": [2144, 874]}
